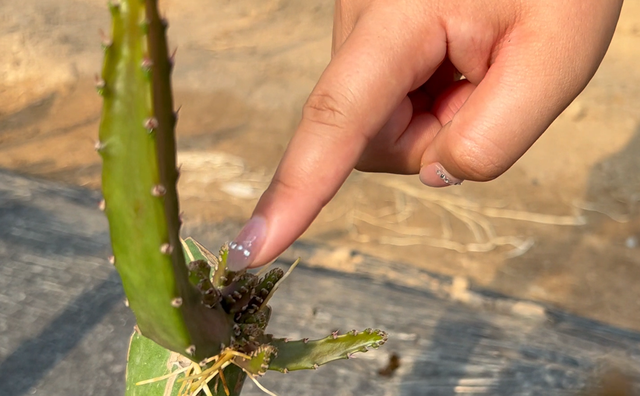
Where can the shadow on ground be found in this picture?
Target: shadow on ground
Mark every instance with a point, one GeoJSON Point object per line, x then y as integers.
{"type": "Point", "coordinates": [595, 267]}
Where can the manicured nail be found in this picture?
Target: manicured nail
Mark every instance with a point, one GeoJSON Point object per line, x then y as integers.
{"type": "Point", "coordinates": [247, 244]}
{"type": "Point", "coordinates": [434, 175]}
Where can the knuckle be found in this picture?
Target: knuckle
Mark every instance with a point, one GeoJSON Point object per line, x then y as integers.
{"type": "Point", "coordinates": [477, 162]}
{"type": "Point", "coordinates": [289, 185]}
{"type": "Point", "coordinates": [388, 158]}
{"type": "Point", "coordinates": [327, 109]}
{"type": "Point", "coordinates": [297, 186]}
{"type": "Point", "coordinates": [367, 164]}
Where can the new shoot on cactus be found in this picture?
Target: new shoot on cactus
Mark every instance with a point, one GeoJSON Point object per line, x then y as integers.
{"type": "Point", "coordinates": [252, 351]}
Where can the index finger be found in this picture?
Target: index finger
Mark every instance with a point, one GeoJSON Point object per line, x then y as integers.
{"type": "Point", "coordinates": [363, 84]}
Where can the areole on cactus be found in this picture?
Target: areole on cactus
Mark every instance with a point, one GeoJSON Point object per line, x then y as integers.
{"type": "Point", "coordinates": [200, 327]}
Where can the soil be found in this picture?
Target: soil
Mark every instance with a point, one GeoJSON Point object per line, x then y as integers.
{"type": "Point", "coordinates": [561, 227]}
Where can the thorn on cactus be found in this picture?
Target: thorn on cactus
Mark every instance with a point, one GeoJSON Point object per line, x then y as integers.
{"type": "Point", "coordinates": [105, 40]}
{"type": "Point", "coordinates": [158, 190]}
{"type": "Point", "coordinates": [151, 124]}
{"type": "Point", "coordinates": [100, 85]}
{"type": "Point", "coordinates": [102, 205]}
{"type": "Point", "coordinates": [99, 146]}
{"type": "Point", "coordinates": [172, 59]}
{"type": "Point", "coordinates": [191, 350]}
{"type": "Point", "coordinates": [112, 260]}
{"type": "Point", "coordinates": [176, 302]}
{"type": "Point", "coordinates": [146, 64]}
{"type": "Point", "coordinates": [334, 334]}
{"type": "Point", "coordinates": [165, 248]}
{"type": "Point", "coordinates": [126, 302]}
{"type": "Point", "coordinates": [315, 366]}
{"type": "Point", "coordinates": [114, 6]}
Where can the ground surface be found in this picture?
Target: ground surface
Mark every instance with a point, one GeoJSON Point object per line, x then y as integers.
{"type": "Point", "coordinates": [561, 227]}
{"type": "Point", "coordinates": [64, 326]}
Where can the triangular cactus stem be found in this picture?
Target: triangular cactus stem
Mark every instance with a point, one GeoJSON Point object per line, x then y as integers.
{"type": "Point", "coordinates": [137, 144]}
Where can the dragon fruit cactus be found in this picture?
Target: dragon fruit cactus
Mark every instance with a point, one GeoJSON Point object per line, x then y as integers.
{"type": "Point", "coordinates": [200, 327]}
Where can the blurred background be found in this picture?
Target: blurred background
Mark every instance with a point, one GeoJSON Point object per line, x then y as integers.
{"type": "Point", "coordinates": [561, 227]}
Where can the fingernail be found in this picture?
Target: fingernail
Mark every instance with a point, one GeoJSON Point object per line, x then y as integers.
{"type": "Point", "coordinates": [247, 244]}
{"type": "Point", "coordinates": [434, 175]}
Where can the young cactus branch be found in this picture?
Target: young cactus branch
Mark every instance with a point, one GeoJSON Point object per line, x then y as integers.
{"type": "Point", "coordinates": [305, 354]}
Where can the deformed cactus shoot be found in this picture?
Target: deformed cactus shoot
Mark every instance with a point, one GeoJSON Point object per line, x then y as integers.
{"type": "Point", "coordinates": [200, 327]}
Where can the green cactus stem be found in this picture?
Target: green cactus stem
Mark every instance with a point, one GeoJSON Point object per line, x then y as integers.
{"type": "Point", "coordinates": [137, 144]}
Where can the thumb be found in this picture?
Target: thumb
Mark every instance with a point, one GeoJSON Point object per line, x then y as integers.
{"type": "Point", "coordinates": [521, 94]}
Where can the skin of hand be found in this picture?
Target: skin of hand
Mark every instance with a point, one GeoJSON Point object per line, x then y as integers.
{"type": "Point", "coordinates": [391, 99]}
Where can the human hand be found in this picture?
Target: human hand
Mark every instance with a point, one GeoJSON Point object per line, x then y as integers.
{"type": "Point", "coordinates": [390, 99]}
